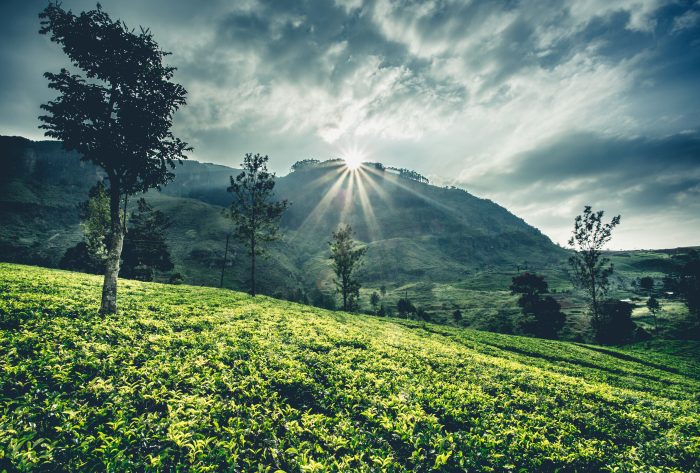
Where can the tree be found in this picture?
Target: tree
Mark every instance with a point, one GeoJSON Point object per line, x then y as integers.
{"type": "Point", "coordinates": [254, 212]}
{"type": "Point", "coordinates": [545, 311]}
{"type": "Point", "coordinates": [90, 254]}
{"type": "Point", "coordinates": [145, 247]}
{"type": "Point", "coordinates": [94, 214]}
{"type": "Point", "coordinates": [614, 324]}
{"type": "Point", "coordinates": [528, 284]}
{"type": "Point", "coordinates": [305, 164]}
{"type": "Point", "coordinates": [405, 307]}
{"type": "Point", "coordinates": [457, 315]}
{"type": "Point", "coordinates": [688, 282]}
{"type": "Point", "coordinates": [117, 115]}
{"type": "Point", "coordinates": [374, 300]}
{"type": "Point", "coordinates": [423, 314]}
{"type": "Point", "coordinates": [591, 270]}
{"type": "Point", "coordinates": [346, 259]}
{"type": "Point", "coordinates": [646, 283]}
{"type": "Point", "coordinates": [654, 307]}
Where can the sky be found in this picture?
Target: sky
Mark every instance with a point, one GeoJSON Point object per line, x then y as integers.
{"type": "Point", "coordinates": [541, 106]}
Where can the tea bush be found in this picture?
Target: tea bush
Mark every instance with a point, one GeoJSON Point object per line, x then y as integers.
{"type": "Point", "coordinates": [200, 379]}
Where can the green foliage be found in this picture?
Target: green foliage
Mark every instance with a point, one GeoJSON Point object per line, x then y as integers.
{"type": "Point", "coordinates": [591, 270]}
{"type": "Point", "coordinates": [545, 316]}
{"type": "Point", "coordinates": [688, 282]}
{"type": "Point", "coordinates": [305, 164]}
{"type": "Point", "coordinates": [255, 215]}
{"type": "Point", "coordinates": [145, 247]}
{"type": "Point", "coordinates": [90, 255]}
{"type": "Point", "coordinates": [614, 324]}
{"type": "Point", "coordinates": [374, 300]}
{"type": "Point", "coordinates": [405, 307]}
{"type": "Point", "coordinates": [117, 114]}
{"type": "Point", "coordinates": [202, 379]}
{"type": "Point", "coordinates": [409, 174]}
{"type": "Point", "coordinates": [646, 283]}
{"type": "Point", "coordinates": [346, 260]}
{"type": "Point", "coordinates": [94, 214]}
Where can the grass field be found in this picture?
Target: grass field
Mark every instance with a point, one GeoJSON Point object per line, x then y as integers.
{"type": "Point", "coordinates": [201, 379]}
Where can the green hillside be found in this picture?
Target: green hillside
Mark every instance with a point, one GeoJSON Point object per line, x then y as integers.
{"type": "Point", "coordinates": [442, 247]}
{"type": "Point", "coordinates": [202, 379]}
{"type": "Point", "coordinates": [415, 232]}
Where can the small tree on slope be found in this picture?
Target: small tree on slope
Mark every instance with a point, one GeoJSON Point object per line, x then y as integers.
{"type": "Point", "coordinates": [590, 269]}
{"type": "Point", "coordinates": [254, 213]}
{"type": "Point", "coordinates": [346, 259]}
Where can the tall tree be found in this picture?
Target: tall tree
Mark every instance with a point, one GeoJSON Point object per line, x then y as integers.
{"type": "Point", "coordinates": [145, 248]}
{"type": "Point", "coordinates": [346, 258]}
{"type": "Point", "coordinates": [117, 114]}
{"type": "Point", "coordinates": [591, 270]}
{"type": "Point", "coordinates": [654, 307]}
{"type": "Point", "coordinates": [254, 212]}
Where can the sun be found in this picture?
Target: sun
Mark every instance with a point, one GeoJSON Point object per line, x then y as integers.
{"type": "Point", "coordinates": [353, 160]}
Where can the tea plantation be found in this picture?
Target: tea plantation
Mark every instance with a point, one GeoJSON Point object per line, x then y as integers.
{"type": "Point", "coordinates": [200, 379]}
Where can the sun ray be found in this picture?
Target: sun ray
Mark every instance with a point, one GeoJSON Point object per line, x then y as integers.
{"type": "Point", "coordinates": [348, 198]}
{"type": "Point", "coordinates": [372, 175]}
{"type": "Point", "coordinates": [395, 179]}
{"type": "Point", "coordinates": [315, 215]}
{"type": "Point", "coordinates": [367, 210]}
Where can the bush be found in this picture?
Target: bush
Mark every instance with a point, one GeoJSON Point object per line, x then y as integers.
{"type": "Point", "coordinates": [614, 325]}
{"type": "Point", "coordinates": [176, 278]}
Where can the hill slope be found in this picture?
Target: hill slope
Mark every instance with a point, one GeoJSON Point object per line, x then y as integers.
{"type": "Point", "coordinates": [209, 379]}
{"type": "Point", "coordinates": [415, 232]}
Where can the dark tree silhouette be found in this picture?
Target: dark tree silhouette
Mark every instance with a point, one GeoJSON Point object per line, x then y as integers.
{"type": "Point", "coordinates": [254, 213]}
{"type": "Point", "coordinates": [405, 307]}
{"type": "Point", "coordinates": [117, 115]}
{"type": "Point", "coordinates": [374, 300]}
{"type": "Point", "coordinates": [529, 284]}
{"type": "Point", "coordinates": [545, 311]}
{"type": "Point", "coordinates": [654, 308]}
{"type": "Point", "coordinates": [614, 324]}
{"type": "Point", "coordinates": [646, 283]}
{"type": "Point", "coordinates": [145, 247]}
{"type": "Point", "coordinates": [346, 258]}
{"type": "Point", "coordinates": [689, 282]}
{"type": "Point", "coordinates": [590, 269]}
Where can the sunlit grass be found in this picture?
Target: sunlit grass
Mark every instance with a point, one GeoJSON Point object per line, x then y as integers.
{"type": "Point", "coordinates": [203, 379]}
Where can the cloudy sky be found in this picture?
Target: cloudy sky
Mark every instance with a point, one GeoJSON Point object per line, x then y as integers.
{"type": "Point", "coordinates": [542, 106]}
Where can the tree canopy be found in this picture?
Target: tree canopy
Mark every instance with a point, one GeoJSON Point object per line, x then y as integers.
{"type": "Point", "coordinates": [117, 112]}
{"type": "Point", "coordinates": [254, 211]}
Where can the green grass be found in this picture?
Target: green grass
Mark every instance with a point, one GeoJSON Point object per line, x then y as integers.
{"type": "Point", "coordinates": [201, 379]}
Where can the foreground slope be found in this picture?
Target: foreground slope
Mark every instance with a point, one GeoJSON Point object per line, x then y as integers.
{"type": "Point", "coordinates": [209, 380]}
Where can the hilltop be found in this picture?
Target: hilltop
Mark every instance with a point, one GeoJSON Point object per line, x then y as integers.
{"type": "Point", "coordinates": [209, 379]}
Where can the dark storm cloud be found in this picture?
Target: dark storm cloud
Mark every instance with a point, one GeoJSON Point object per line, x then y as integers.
{"type": "Point", "coordinates": [639, 171]}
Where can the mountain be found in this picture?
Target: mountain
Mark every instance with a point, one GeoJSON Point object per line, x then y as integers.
{"type": "Point", "coordinates": [203, 379]}
{"type": "Point", "coordinates": [431, 241]}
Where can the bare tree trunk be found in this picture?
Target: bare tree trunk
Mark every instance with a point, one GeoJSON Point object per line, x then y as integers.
{"type": "Point", "coordinates": [109, 286]}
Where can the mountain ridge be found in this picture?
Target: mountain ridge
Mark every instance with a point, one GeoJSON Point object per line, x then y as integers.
{"type": "Point", "coordinates": [417, 234]}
